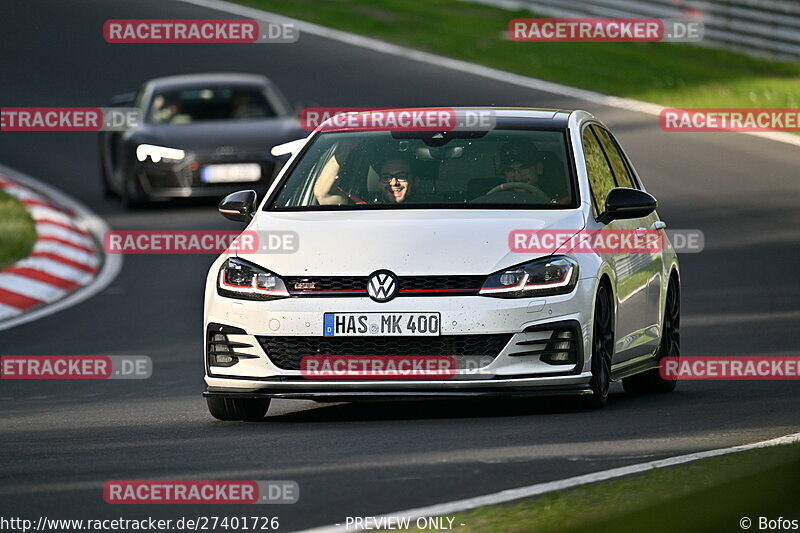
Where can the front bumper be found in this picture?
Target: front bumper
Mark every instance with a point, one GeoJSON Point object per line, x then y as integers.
{"type": "Point", "coordinates": [414, 390]}
{"type": "Point", "coordinates": [522, 320]}
{"type": "Point", "coordinates": [162, 181]}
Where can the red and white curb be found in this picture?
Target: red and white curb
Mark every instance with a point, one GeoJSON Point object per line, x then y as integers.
{"type": "Point", "coordinates": [65, 266]}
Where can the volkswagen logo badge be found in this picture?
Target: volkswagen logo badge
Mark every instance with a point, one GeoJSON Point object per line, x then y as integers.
{"type": "Point", "coordinates": [382, 286]}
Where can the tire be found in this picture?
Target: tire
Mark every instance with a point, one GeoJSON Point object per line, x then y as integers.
{"type": "Point", "coordinates": [651, 381]}
{"type": "Point", "coordinates": [133, 197]}
{"type": "Point", "coordinates": [108, 192]}
{"type": "Point", "coordinates": [229, 409]}
{"type": "Point", "coordinates": [602, 349]}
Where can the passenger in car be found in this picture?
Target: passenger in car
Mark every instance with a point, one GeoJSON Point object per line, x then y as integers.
{"type": "Point", "coordinates": [396, 179]}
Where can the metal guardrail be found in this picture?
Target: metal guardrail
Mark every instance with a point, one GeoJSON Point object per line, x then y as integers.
{"type": "Point", "coordinates": [765, 28]}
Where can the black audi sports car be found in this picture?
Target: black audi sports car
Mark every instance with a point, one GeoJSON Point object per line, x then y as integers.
{"type": "Point", "coordinates": [198, 135]}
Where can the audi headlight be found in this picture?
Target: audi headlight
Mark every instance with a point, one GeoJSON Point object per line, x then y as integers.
{"type": "Point", "coordinates": [157, 153]}
{"type": "Point", "coordinates": [241, 279]}
{"type": "Point", "coordinates": [543, 277]}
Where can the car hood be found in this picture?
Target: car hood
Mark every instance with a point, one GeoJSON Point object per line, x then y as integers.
{"type": "Point", "coordinates": [407, 242]}
{"type": "Point", "coordinates": [255, 135]}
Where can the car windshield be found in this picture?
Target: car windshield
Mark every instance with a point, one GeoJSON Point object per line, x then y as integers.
{"type": "Point", "coordinates": [522, 169]}
{"type": "Point", "coordinates": [209, 103]}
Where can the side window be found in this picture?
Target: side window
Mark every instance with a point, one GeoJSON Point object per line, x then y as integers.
{"type": "Point", "coordinates": [139, 100]}
{"type": "Point", "coordinates": [621, 173]}
{"type": "Point", "coordinates": [601, 180]}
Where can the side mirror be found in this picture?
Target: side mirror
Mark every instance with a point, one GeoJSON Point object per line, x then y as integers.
{"type": "Point", "coordinates": [123, 100]}
{"type": "Point", "coordinates": [239, 206]}
{"type": "Point", "coordinates": [624, 203]}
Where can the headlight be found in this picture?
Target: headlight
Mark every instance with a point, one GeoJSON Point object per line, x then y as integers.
{"type": "Point", "coordinates": [157, 153]}
{"type": "Point", "coordinates": [543, 277]}
{"type": "Point", "coordinates": [240, 279]}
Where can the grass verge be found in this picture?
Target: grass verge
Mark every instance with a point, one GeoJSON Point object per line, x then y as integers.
{"type": "Point", "coordinates": [675, 75]}
{"type": "Point", "coordinates": [706, 496]}
{"type": "Point", "coordinates": [17, 230]}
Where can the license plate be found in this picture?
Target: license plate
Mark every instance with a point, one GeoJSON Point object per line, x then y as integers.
{"type": "Point", "coordinates": [230, 173]}
{"type": "Point", "coordinates": [381, 324]}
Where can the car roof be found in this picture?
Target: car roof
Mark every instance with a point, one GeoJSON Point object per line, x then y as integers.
{"type": "Point", "coordinates": [551, 118]}
{"type": "Point", "coordinates": [556, 117]}
{"type": "Point", "coordinates": [214, 78]}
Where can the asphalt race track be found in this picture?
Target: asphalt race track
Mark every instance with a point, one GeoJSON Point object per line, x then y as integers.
{"type": "Point", "coordinates": [60, 441]}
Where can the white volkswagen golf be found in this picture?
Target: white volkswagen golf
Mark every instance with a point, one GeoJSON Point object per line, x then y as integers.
{"type": "Point", "coordinates": [522, 259]}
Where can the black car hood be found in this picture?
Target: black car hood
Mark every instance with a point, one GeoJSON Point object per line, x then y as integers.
{"type": "Point", "coordinates": [209, 136]}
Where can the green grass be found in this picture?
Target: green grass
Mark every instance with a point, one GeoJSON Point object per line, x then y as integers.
{"type": "Point", "coordinates": [676, 75]}
{"type": "Point", "coordinates": [17, 230]}
{"type": "Point", "coordinates": [705, 496]}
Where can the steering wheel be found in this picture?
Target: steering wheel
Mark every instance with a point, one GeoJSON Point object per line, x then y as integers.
{"type": "Point", "coordinates": [514, 186]}
{"type": "Point", "coordinates": [517, 186]}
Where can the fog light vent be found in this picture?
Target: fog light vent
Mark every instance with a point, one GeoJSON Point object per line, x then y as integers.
{"type": "Point", "coordinates": [561, 347]}
{"type": "Point", "coordinates": [221, 350]}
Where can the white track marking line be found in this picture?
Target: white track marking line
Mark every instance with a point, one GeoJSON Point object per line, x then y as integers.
{"type": "Point", "coordinates": [458, 65]}
{"type": "Point", "coordinates": [85, 219]}
{"type": "Point", "coordinates": [538, 489]}
{"type": "Point", "coordinates": [31, 288]}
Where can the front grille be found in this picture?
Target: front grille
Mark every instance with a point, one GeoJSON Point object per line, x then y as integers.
{"type": "Point", "coordinates": [441, 283]}
{"type": "Point", "coordinates": [166, 177]}
{"type": "Point", "coordinates": [286, 352]}
{"type": "Point", "coordinates": [408, 285]}
{"type": "Point", "coordinates": [169, 176]}
{"type": "Point", "coordinates": [326, 284]}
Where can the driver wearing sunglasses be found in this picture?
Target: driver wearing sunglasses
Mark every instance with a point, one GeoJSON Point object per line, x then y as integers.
{"type": "Point", "coordinates": [396, 179]}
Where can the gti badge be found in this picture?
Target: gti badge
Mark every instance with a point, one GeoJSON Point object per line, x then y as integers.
{"type": "Point", "coordinates": [382, 286]}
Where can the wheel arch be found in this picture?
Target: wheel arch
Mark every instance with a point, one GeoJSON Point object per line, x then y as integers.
{"type": "Point", "coordinates": [605, 281]}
